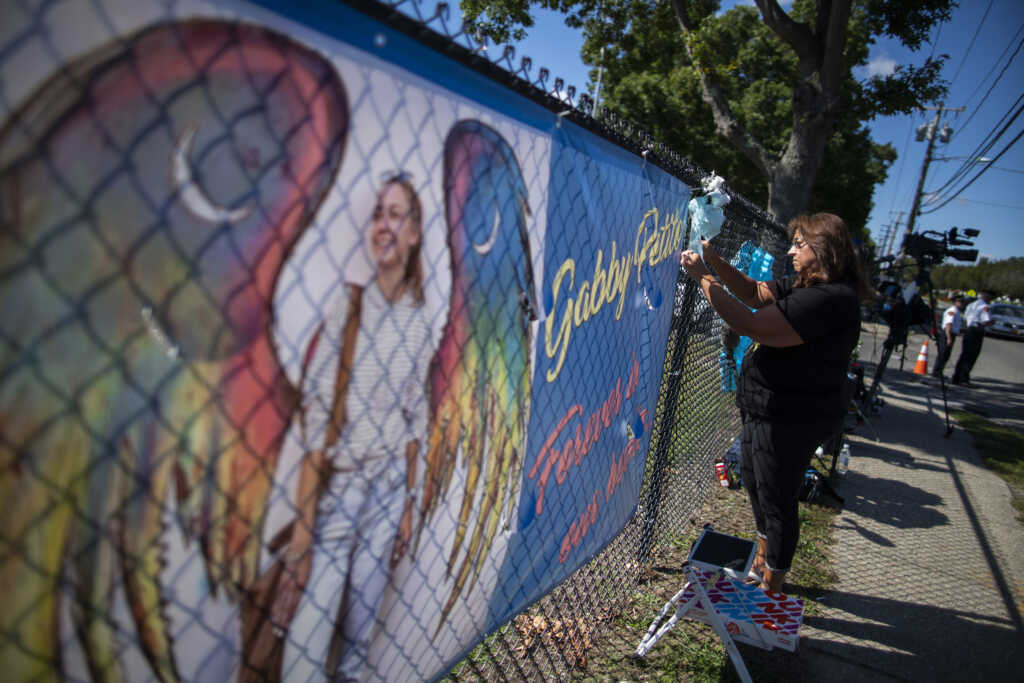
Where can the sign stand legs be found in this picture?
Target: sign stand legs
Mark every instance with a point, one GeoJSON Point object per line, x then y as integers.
{"type": "Point", "coordinates": [700, 600]}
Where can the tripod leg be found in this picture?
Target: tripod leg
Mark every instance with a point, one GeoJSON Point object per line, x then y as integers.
{"type": "Point", "coordinates": [942, 378]}
{"type": "Point", "coordinates": [945, 408]}
{"type": "Point", "coordinates": [868, 422]}
{"type": "Point", "coordinates": [869, 399]}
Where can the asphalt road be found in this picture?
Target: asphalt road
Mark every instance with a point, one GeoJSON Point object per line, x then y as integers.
{"type": "Point", "coordinates": [997, 381]}
{"type": "Point", "coordinates": [1001, 359]}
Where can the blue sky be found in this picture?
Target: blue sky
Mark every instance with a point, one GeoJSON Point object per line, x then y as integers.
{"type": "Point", "coordinates": [994, 203]}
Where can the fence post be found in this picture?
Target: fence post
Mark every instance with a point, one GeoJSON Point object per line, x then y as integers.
{"type": "Point", "coordinates": [672, 380]}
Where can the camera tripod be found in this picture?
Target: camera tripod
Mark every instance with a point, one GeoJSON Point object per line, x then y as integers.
{"type": "Point", "coordinates": [899, 327]}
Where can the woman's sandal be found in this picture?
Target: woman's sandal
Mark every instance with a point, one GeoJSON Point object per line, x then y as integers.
{"type": "Point", "coordinates": [754, 578]}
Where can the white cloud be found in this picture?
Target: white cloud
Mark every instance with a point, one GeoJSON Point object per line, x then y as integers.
{"type": "Point", "coordinates": [882, 65]}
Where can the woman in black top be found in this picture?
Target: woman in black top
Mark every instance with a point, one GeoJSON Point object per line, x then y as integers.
{"type": "Point", "coordinates": [790, 387]}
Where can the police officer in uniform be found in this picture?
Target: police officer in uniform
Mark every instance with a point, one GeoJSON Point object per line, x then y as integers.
{"type": "Point", "coordinates": [952, 321]}
{"type": "Point", "coordinates": [977, 319]}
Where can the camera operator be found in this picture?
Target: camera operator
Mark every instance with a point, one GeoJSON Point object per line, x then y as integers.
{"type": "Point", "coordinates": [952, 321]}
{"type": "Point", "coordinates": [977, 319]}
{"type": "Point", "coordinates": [790, 389]}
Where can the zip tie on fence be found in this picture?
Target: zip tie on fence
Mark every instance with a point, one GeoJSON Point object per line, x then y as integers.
{"type": "Point", "coordinates": [558, 123]}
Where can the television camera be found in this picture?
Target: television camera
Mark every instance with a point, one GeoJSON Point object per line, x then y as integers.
{"type": "Point", "coordinates": [902, 305]}
{"type": "Point", "coordinates": [931, 247]}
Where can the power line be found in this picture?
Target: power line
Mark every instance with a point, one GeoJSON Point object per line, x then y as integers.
{"type": "Point", "coordinates": [979, 173]}
{"type": "Point", "coordinates": [988, 140]}
{"type": "Point", "coordinates": [971, 45]}
{"type": "Point", "coordinates": [899, 172]}
{"type": "Point", "coordinates": [935, 43]}
{"type": "Point", "coordinates": [1008, 170]}
{"type": "Point", "coordinates": [1005, 206]}
{"type": "Point", "coordinates": [906, 141]}
{"type": "Point", "coordinates": [995, 82]}
{"type": "Point", "coordinates": [984, 146]}
{"type": "Point", "coordinates": [981, 82]}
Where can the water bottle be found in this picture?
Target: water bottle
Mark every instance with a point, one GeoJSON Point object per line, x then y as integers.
{"type": "Point", "coordinates": [844, 459]}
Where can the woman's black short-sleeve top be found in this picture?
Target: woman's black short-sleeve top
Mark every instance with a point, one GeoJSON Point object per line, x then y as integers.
{"type": "Point", "coordinates": [806, 381]}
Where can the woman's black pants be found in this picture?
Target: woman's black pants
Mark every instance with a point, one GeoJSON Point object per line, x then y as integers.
{"type": "Point", "coordinates": [774, 462]}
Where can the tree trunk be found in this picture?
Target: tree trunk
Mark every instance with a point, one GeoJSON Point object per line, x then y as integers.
{"type": "Point", "coordinates": [788, 194]}
{"type": "Point", "coordinates": [792, 177]}
{"type": "Point", "coordinates": [815, 101]}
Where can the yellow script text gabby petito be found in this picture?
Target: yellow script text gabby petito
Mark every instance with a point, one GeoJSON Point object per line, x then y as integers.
{"type": "Point", "coordinates": [654, 243]}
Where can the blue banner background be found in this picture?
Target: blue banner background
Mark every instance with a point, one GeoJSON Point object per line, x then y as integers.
{"type": "Point", "coordinates": [599, 194]}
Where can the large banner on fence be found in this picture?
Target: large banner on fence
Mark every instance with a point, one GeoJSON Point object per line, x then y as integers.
{"type": "Point", "coordinates": [322, 355]}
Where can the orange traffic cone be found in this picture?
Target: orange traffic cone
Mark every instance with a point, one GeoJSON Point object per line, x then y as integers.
{"type": "Point", "coordinates": [921, 367]}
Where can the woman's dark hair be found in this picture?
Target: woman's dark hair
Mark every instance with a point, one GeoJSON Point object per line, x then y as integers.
{"type": "Point", "coordinates": [413, 276]}
{"type": "Point", "coordinates": [837, 259]}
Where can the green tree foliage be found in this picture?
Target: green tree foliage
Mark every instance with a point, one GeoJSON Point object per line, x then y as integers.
{"type": "Point", "coordinates": [765, 98]}
{"type": "Point", "coordinates": [1005, 277]}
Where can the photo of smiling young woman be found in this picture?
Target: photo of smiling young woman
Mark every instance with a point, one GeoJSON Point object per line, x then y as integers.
{"type": "Point", "coordinates": [364, 408]}
{"type": "Point", "coordinates": [790, 389]}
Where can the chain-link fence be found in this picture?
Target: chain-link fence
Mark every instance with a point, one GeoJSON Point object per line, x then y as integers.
{"type": "Point", "coordinates": [696, 422]}
{"type": "Point", "coordinates": [328, 356]}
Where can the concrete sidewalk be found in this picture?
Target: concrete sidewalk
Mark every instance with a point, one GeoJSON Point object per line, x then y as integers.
{"type": "Point", "coordinates": [928, 555]}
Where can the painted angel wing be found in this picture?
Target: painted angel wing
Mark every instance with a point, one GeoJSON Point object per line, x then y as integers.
{"type": "Point", "coordinates": [149, 192]}
{"type": "Point", "coordinates": [479, 380]}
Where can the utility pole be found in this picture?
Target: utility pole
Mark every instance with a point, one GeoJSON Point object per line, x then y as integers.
{"type": "Point", "coordinates": [895, 230]}
{"type": "Point", "coordinates": [930, 129]}
{"type": "Point", "coordinates": [886, 232]}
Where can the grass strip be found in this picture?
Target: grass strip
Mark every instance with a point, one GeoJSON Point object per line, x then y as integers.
{"type": "Point", "coordinates": [1001, 449]}
{"type": "Point", "coordinates": [691, 651]}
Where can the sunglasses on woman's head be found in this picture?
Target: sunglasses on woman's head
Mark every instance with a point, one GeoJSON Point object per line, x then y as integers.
{"type": "Point", "coordinates": [395, 176]}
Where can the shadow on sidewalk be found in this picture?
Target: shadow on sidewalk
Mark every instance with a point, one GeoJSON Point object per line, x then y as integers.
{"type": "Point", "coordinates": [933, 609]}
{"type": "Point", "coordinates": [892, 502]}
{"type": "Point", "coordinates": [893, 456]}
{"type": "Point", "coordinates": [989, 397]}
{"type": "Point", "coordinates": [951, 633]}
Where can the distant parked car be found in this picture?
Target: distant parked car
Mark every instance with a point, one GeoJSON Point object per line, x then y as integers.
{"type": "Point", "coordinates": [1008, 321]}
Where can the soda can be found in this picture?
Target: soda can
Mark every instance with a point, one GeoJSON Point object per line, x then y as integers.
{"type": "Point", "coordinates": [723, 474]}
